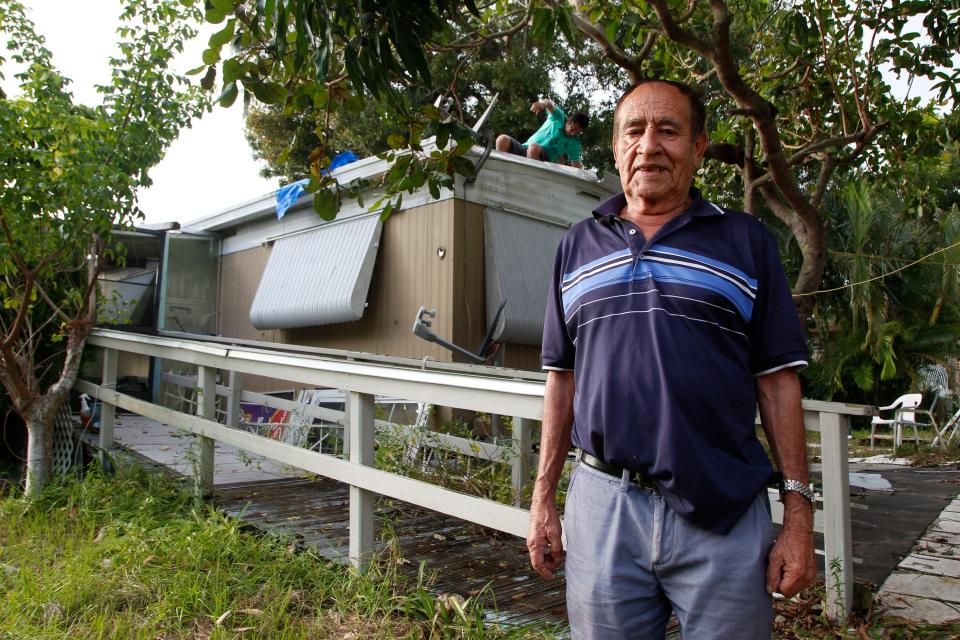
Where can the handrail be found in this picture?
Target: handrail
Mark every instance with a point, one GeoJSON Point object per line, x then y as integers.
{"type": "Point", "coordinates": [361, 379]}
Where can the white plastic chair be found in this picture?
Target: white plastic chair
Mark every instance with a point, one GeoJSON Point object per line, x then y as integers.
{"type": "Point", "coordinates": [945, 435]}
{"type": "Point", "coordinates": [905, 414]}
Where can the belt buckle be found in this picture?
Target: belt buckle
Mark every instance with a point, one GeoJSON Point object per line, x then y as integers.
{"type": "Point", "coordinates": [644, 483]}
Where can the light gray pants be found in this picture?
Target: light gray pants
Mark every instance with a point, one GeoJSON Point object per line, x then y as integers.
{"type": "Point", "coordinates": [631, 560]}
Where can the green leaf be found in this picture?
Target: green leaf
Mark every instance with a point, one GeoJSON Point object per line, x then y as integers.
{"type": "Point", "coordinates": [209, 78]}
{"type": "Point", "coordinates": [610, 30]}
{"type": "Point", "coordinates": [326, 202]}
{"type": "Point", "coordinates": [387, 210]}
{"type": "Point", "coordinates": [396, 141]}
{"type": "Point", "coordinates": [565, 21]}
{"type": "Point", "coordinates": [268, 92]}
{"type": "Point", "coordinates": [215, 16]}
{"type": "Point", "coordinates": [443, 135]}
{"type": "Point", "coordinates": [353, 69]}
{"type": "Point", "coordinates": [232, 69]}
{"type": "Point", "coordinates": [463, 166]}
{"type": "Point", "coordinates": [544, 24]}
{"type": "Point", "coordinates": [229, 95]}
{"type": "Point", "coordinates": [321, 62]}
{"type": "Point", "coordinates": [211, 56]}
{"type": "Point", "coordinates": [222, 37]}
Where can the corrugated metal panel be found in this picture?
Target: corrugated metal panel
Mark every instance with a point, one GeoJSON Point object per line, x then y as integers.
{"type": "Point", "coordinates": [318, 277]}
{"type": "Point", "coordinates": [519, 261]}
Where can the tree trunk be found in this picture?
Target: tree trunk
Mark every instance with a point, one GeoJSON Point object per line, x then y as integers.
{"type": "Point", "coordinates": [814, 249]}
{"type": "Point", "coordinates": [39, 450]}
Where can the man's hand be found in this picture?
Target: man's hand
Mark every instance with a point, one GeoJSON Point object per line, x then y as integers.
{"type": "Point", "coordinates": [543, 539]}
{"type": "Point", "coordinates": [540, 105]}
{"type": "Point", "coordinates": [791, 565]}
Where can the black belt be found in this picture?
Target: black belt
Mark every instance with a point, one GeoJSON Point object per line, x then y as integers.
{"type": "Point", "coordinates": [596, 463]}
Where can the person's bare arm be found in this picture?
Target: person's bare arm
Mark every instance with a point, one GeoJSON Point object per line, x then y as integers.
{"type": "Point", "coordinates": [543, 539]}
{"type": "Point", "coordinates": [540, 105]}
{"type": "Point", "coordinates": [791, 564]}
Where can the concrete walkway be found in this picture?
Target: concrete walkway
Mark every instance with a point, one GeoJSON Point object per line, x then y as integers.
{"type": "Point", "coordinates": [925, 586]}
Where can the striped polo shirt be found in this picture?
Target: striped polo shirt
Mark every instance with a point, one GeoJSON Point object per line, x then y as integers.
{"type": "Point", "coordinates": [665, 337]}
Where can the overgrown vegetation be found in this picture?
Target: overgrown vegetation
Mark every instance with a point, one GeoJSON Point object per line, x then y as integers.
{"type": "Point", "coordinates": [134, 557]}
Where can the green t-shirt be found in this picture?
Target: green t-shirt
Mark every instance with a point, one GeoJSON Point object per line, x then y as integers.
{"type": "Point", "coordinates": [554, 141]}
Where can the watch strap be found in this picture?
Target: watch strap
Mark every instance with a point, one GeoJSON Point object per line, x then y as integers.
{"type": "Point", "coordinates": [805, 490]}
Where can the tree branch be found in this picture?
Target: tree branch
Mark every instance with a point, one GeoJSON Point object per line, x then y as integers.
{"type": "Point", "coordinates": [479, 42]}
{"type": "Point", "coordinates": [826, 171]}
{"type": "Point", "coordinates": [860, 138]}
{"type": "Point", "coordinates": [673, 30]}
{"type": "Point", "coordinates": [615, 54]}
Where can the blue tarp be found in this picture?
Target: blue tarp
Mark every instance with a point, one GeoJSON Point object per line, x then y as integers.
{"type": "Point", "coordinates": [288, 194]}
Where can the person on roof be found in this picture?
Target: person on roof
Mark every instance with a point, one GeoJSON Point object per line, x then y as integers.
{"type": "Point", "coordinates": [557, 136]}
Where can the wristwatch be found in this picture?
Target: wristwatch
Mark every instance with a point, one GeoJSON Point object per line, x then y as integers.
{"type": "Point", "coordinates": [806, 490]}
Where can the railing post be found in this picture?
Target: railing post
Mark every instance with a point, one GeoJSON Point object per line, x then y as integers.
{"type": "Point", "coordinates": [108, 412]}
{"type": "Point", "coordinates": [233, 400]}
{"type": "Point", "coordinates": [206, 408]}
{"type": "Point", "coordinates": [360, 407]}
{"type": "Point", "coordinates": [520, 463]}
{"type": "Point", "coordinates": [838, 543]}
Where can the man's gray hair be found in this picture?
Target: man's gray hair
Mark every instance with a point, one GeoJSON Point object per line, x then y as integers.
{"type": "Point", "coordinates": [698, 113]}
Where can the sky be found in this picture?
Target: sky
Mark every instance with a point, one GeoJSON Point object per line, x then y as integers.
{"type": "Point", "coordinates": [208, 168]}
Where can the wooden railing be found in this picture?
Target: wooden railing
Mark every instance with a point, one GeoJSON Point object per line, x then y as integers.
{"type": "Point", "coordinates": [467, 387]}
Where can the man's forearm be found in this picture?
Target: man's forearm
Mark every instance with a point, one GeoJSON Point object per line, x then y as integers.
{"type": "Point", "coordinates": [555, 434]}
{"type": "Point", "coordinates": [790, 564]}
{"type": "Point", "coordinates": [781, 412]}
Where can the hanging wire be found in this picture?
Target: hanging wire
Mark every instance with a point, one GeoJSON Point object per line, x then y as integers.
{"type": "Point", "coordinates": [882, 275]}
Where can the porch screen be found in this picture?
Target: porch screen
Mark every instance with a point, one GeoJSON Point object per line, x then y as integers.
{"type": "Point", "coordinates": [519, 253]}
{"type": "Point", "coordinates": [319, 276]}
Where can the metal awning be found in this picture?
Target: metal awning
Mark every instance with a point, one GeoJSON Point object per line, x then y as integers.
{"type": "Point", "coordinates": [519, 262]}
{"type": "Point", "coordinates": [318, 277]}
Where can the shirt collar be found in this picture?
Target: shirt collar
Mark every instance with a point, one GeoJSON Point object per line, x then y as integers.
{"type": "Point", "coordinates": [610, 209]}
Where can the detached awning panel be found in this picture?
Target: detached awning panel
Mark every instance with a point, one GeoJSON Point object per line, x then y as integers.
{"type": "Point", "coordinates": [519, 262]}
{"type": "Point", "coordinates": [318, 277]}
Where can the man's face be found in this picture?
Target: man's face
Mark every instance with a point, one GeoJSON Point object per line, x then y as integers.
{"type": "Point", "coordinates": [571, 128]}
{"type": "Point", "coordinates": [654, 145]}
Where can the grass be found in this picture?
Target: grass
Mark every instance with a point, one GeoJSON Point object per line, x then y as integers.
{"type": "Point", "coordinates": [132, 556]}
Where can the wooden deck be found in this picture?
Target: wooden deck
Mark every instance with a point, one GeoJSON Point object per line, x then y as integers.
{"type": "Point", "coordinates": [468, 560]}
{"type": "Point", "coordinates": [461, 558]}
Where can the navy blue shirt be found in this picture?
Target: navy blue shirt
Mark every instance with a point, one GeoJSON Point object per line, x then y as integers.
{"type": "Point", "coordinates": [666, 337]}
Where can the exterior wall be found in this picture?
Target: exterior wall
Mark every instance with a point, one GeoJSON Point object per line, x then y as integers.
{"type": "Point", "coordinates": [468, 302]}
{"type": "Point", "coordinates": [239, 276]}
{"type": "Point", "coordinates": [409, 272]}
{"type": "Point", "coordinates": [133, 365]}
{"type": "Point", "coordinates": [469, 299]}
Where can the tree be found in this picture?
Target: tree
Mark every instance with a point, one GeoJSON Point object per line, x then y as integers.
{"type": "Point", "coordinates": [796, 87]}
{"type": "Point", "coordinates": [69, 175]}
{"type": "Point", "coordinates": [517, 70]}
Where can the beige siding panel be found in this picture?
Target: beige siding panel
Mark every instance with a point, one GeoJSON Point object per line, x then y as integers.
{"type": "Point", "coordinates": [133, 365]}
{"type": "Point", "coordinates": [408, 273]}
{"type": "Point", "coordinates": [239, 277]}
{"type": "Point", "coordinates": [520, 356]}
{"type": "Point", "coordinates": [468, 287]}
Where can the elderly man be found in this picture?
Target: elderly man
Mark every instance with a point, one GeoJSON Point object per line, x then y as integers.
{"type": "Point", "coordinates": [669, 321]}
{"type": "Point", "coordinates": [557, 137]}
